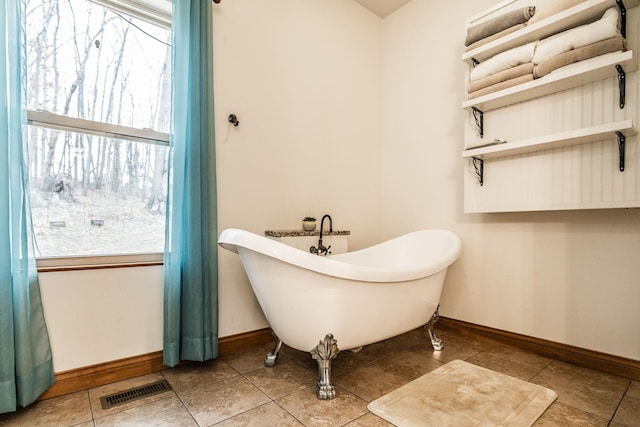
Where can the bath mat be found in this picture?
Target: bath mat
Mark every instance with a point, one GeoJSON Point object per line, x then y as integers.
{"type": "Point", "coordinates": [462, 394]}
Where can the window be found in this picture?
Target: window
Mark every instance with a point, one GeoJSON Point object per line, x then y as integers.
{"type": "Point", "coordinates": [98, 100]}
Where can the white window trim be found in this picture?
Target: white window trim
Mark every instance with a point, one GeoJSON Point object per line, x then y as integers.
{"type": "Point", "coordinates": [155, 11]}
{"type": "Point", "coordinates": [55, 121]}
{"type": "Point", "coordinates": [94, 262]}
{"type": "Point", "coordinates": [49, 120]}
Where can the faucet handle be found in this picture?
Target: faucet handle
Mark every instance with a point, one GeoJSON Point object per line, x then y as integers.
{"type": "Point", "coordinates": [313, 250]}
{"type": "Point", "coordinates": [326, 250]}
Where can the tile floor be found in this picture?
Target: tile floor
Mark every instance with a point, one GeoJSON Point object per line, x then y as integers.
{"type": "Point", "coordinates": [237, 390]}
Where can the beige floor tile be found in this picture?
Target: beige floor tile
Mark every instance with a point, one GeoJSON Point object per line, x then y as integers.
{"type": "Point", "coordinates": [409, 339]}
{"type": "Point", "coordinates": [591, 391]}
{"type": "Point", "coordinates": [303, 358]}
{"type": "Point", "coordinates": [513, 354]}
{"type": "Point", "coordinates": [250, 360]}
{"type": "Point", "coordinates": [456, 346]}
{"type": "Point", "coordinates": [305, 406]}
{"type": "Point", "coordinates": [284, 378]}
{"type": "Point", "coordinates": [560, 415]}
{"type": "Point", "coordinates": [269, 415]}
{"type": "Point", "coordinates": [345, 362]}
{"type": "Point", "coordinates": [408, 364]}
{"type": "Point", "coordinates": [197, 374]}
{"type": "Point", "coordinates": [96, 393]}
{"type": "Point", "coordinates": [634, 389]}
{"type": "Point", "coordinates": [375, 351]}
{"type": "Point", "coordinates": [505, 366]}
{"type": "Point", "coordinates": [166, 412]}
{"type": "Point", "coordinates": [370, 382]}
{"type": "Point", "coordinates": [235, 389]}
{"type": "Point", "coordinates": [369, 420]}
{"type": "Point", "coordinates": [63, 411]}
{"type": "Point", "coordinates": [405, 341]}
{"type": "Point", "coordinates": [628, 412]}
{"type": "Point", "coordinates": [216, 402]}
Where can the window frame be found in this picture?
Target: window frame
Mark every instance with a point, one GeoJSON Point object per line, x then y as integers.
{"type": "Point", "coordinates": [45, 119]}
{"type": "Point", "coordinates": [49, 120]}
{"type": "Point", "coordinates": [149, 10]}
{"type": "Point", "coordinates": [96, 262]}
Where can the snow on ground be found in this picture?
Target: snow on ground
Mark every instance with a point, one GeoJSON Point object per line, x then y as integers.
{"type": "Point", "coordinates": [128, 227]}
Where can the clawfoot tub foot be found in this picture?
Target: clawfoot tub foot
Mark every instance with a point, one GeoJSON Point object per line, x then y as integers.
{"type": "Point", "coordinates": [436, 342]}
{"type": "Point", "coordinates": [324, 353]}
{"type": "Point", "coordinates": [270, 359]}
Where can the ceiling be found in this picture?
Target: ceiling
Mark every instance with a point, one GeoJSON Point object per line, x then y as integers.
{"type": "Point", "coordinates": [382, 8]}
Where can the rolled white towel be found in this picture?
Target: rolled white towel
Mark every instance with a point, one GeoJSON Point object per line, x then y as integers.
{"type": "Point", "coordinates": [547, 8]}
{"type": "Point", "coordinates": [602, 29]}
{"type": "Point", "coordinates": [503, 61]}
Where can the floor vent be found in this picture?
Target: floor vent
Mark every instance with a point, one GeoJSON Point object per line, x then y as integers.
{"type": "Point", "coordinates": [134, 394]}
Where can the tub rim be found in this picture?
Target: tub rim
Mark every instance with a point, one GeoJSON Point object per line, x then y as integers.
{"type": "Point", "coordinates": [232, 238]}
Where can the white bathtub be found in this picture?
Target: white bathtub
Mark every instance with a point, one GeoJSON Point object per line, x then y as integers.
{"type": "Point", "coordinates": [321, 304]}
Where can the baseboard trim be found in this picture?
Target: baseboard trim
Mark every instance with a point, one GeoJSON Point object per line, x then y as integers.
{"type": "Point", "coordinates": [623, 367]}
{"type": "Point", "coordinates": [118, 370]}
{"type": "Point", "coordinates": [245, 341]}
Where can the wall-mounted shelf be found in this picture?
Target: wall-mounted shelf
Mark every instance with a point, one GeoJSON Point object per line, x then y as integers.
{"type": "Point", "coordinates": [545, 142]}
{"type": "Point", "coordinates": [535, 172]}
{"type": "Point", "coordinates": [582, 13]}
{"type": "Point", "coordinates": [578, 74]}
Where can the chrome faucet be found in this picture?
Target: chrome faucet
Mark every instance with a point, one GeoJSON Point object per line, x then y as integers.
{"type": "Point", "coordinates": [321, 249]}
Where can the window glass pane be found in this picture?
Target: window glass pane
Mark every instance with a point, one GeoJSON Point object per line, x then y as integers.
{"type": "Point", "coordinates": [93, 195]}
{"type": "Point", "coordinates": [89, 62]}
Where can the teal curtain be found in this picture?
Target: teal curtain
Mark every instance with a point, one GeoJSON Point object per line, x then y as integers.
{"type": "Point", "coordinates": [191, 254]}
{"type": "Point", "coordinates": [26, 368]}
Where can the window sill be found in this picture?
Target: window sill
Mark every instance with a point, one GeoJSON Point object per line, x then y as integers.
{"type": "Point", "coordinates": [97, 262]}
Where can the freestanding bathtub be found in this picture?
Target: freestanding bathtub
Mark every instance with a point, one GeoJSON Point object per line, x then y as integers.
{"type": "Point", "coordinates": [323, 304]}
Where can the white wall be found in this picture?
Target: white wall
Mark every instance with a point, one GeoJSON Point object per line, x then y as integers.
{"type": "Point", "coordinates": [95, 316]}
{"type": "Point", "coordinates": [303, 78]}
{"type": "Point", "coordinates": [570, 277]}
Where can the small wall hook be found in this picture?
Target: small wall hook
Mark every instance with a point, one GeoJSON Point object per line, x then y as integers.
{"type": "Point", "coordinates": [234, 120]}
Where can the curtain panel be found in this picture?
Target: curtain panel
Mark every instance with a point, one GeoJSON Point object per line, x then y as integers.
{"type": "Point", "coordinates": [191, 255]}
{"type": "Point", "coordinates": [26, 367]}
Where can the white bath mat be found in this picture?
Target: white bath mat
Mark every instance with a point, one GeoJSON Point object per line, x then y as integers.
{"type": "Point", "coordinates": [462, 394]}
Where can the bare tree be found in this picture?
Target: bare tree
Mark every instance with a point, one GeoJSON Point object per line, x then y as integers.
{"type": "Point", "coordinates": [39, 83]}
{"type": "Point", "coordinates": [158, 197]}
{"type": "Point", "coordinates": [85, 62]}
